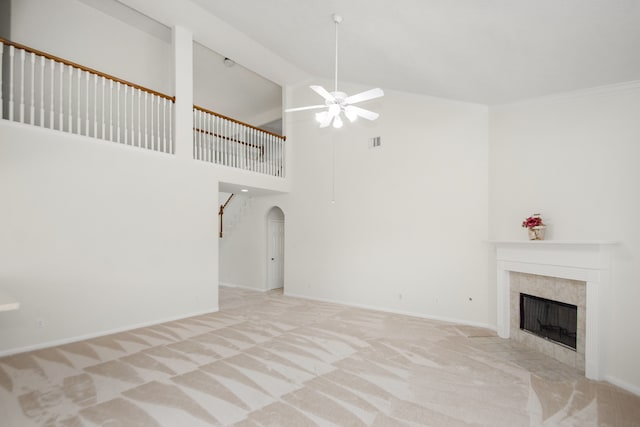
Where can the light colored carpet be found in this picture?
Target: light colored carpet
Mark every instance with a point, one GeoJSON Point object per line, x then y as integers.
{"type": "Point", "coordinates": [269, 360]}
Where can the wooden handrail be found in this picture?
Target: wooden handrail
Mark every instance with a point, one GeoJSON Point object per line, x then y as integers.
{"type": "Point", "coordinates": [228, 138]}
{"type": "Point", "coordinates": [204, 110]}
{"type": "Point", "coordinates": [221, 211]}
{"type": "Point", "coordinates": [90, 70]}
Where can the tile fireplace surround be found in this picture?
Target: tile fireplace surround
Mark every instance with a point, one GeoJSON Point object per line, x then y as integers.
{"type": "Point", "coordinates": [586, 261]}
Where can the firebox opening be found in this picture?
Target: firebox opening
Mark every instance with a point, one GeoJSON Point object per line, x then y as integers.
{"type": "Point", "coordinates": [553, 320]}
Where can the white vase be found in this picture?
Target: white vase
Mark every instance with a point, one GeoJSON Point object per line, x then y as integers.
{"type": "Point", "coordinates": [536, 233]}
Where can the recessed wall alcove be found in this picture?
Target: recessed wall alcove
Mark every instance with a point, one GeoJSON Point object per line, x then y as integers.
{"type": "Point", "coordinates": [585, 262]}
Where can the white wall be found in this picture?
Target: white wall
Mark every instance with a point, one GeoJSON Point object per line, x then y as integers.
{"type": "Point", "coordinates": [407, 230]}
{"type": "Point", "coordinates": [96, 237]}
{"type": "Point", "coordinates": [243, 249]}
{"type": "Point", "coordinates": [233, 91]}
{"type": "Point", "coordinates": [574, 159]}
{"type": "Point", "coordinates": [77, 32]}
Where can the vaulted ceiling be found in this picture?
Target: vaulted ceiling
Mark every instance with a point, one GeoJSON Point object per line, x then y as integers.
{"type": "Point", "coordinates": [484, 51]}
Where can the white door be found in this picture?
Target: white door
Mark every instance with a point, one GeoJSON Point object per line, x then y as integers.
{"type": "Point", "coordinates": [276, 254]}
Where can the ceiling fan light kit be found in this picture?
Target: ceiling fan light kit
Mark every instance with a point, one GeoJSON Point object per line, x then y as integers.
{"type": "Point", "coordinates": [338, 103]}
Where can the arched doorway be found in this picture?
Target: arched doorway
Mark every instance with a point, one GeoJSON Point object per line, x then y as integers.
{"type": "Point", "coordinates": [275, 248]}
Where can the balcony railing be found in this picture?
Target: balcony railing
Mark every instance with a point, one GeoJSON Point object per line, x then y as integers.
{"type": "Point", "coordinates": [47, 91]}
{"type": "Point", "coordinates": [228, 142]}
{"type": "Point", "coordinates": [44, 90]}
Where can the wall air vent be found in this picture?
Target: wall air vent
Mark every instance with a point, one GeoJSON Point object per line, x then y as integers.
{"type": "Point", "coordinates": [375, 142]}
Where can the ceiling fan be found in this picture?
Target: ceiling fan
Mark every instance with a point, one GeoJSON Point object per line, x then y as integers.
{"type": "Point", "coordinates": [338, 102]}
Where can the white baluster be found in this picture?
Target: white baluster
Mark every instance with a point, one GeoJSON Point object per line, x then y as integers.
{"type": "Point", "coordinates": [228, 135]}
{"type": "Point", "coordinates": [225, 142]}
{"type": "Point", "coordinates": [79, 103]}
{"type": "Point", "coordinates": [42, 69]}
{"type": "Point", "coordinates": [95, 106]}
{"type": "Point", "coordinates": [215, 130]}
{"type": "Point", "coordinates": [1, 67]}
{"type": "Point", "coordinates": [220, 139]}
{"type": "Point", "coordinates": [202, 135]}
{"type": "Point", "coordinates": [239, 145]}
{"type": "Point", "coordinates": [11, 55]}
{"type": "Point", "coordinates": [151, 126]}
{"type": "Point", "coordinates": [52, 93]}
{"type": "Point", "coordinates": [110, 110]}
{"type": "Point", "coordinates": [232, 144]}
{"type": "Point", "coordinates": [32, 106]}
{"type": "Point", "coordinates": [61, 112]}
{"type": "Point", "coordinates": [214, 140]}
{"type": "Point", "coordinates": [236, 144]}
{"type": "Point", "coordinates": [272, 160]}
{"type": "Point", "coordinates": [102, 112]}
{"type": "Point", "coordinates": [139, 121]}
{"type": "Point", "coordinates": [171, 127]}
{"type": "Point", "coordinates": [21, 86]}
{"type": "Point", "coordinates": [157, 128]}
{"type": "Point", "coordinates": [208, 136]}
{"type": "Point", "coordinates": [266, 153]}
{"type": "Point", "coordinates": [164, 125]}
{"type": "Point", "coordinates": [70, 119]}
{"type": "Point", "coordinates": [265, 147]}
{"type": "Point", "coordinates": [272, 140]}
{"type": "Point", "coordinates": [155, 122]}
{"type": "Point", "coordinates": [252, 150]}
{"type": "Point", "coordinates": [204, 125]}
{"type": "Point", "coordinates": [278, 161]}
{"type": "Point", "coordinates": [145, 120]}
{"type": "Point", "coordinates": [118, 85]}
{"type": "Point", "coordinates": [86, 104]}
{"type": "Point", "coordinates": [195, 137]}
{"type": "Point", "coordinates": [126, 131]}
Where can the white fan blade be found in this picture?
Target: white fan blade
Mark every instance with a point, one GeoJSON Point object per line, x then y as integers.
{"type": "Point", "coordinates": [365, 114]}
{"type": "Point", "coordinates": [310, 107]}
{"type": "Point", "coordinates": [364, 96]}
{"type": "Point", "coordinates": [323, 93]}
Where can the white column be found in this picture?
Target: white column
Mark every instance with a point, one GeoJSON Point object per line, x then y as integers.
{"type": "Point", "coordinates": [504, 302]}
{"type": "Point", "coordinates": [183, 91]}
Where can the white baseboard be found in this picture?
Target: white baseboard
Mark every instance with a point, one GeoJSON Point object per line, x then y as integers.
{"type": "Point", "coordinates": [623, 384]}
{"type": "Point", "coordinates": [64, 341]}
{"type": "Point", "coordinates": [394, 311]}
{"type": "Point", "coordinates": [233, 285]}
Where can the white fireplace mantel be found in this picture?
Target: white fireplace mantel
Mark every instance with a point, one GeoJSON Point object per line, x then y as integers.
{"type": "Point", "coordinates": [587, 261]}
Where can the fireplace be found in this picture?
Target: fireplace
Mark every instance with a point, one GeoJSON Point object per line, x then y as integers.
{"type": "Point", "coordinates": [543, 291]}
{"type": "Point", "coordinates": [552, 270]}
{"type": "Point", "coordinates": [553, 320]}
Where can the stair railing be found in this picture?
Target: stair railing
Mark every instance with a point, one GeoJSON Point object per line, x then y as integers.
{"type": "Point", "coordinates": [221, 211]}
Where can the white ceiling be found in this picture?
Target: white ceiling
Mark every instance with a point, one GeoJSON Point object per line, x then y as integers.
{"type": "Point", "coordinates": [485, 51]}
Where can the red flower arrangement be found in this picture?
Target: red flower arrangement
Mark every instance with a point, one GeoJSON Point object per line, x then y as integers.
{"type": "Point", "coordinates": [534, 220]}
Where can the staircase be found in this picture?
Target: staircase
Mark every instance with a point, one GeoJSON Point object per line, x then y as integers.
{"type": "Point", "coordinates": [234, 211]}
